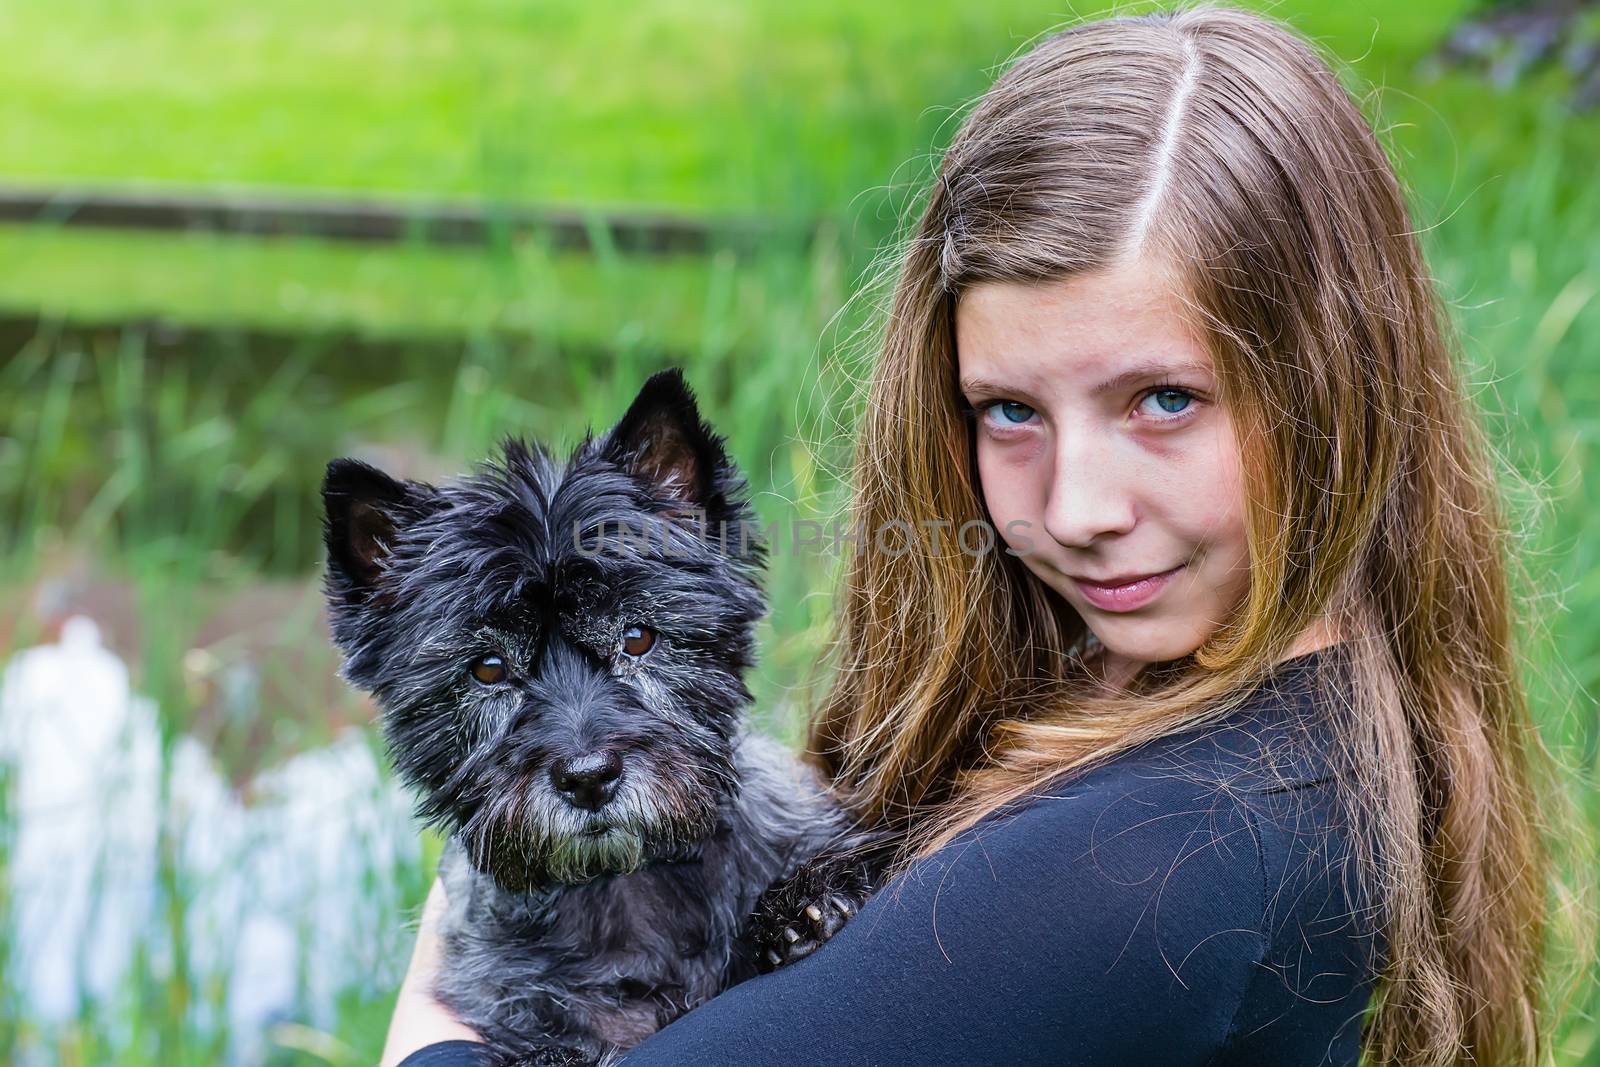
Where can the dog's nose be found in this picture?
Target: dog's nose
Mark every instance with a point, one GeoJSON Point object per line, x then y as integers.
{"type": "Point", "coordinates": [588, 781]}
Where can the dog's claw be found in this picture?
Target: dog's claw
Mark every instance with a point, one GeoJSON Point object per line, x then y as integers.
{"type": "Point", "coordinates": [794, 916]}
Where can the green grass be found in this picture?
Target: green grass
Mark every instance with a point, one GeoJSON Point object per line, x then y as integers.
{"type": "Point", "coordinates": [211, 456]}
{"type": "Point", "coordinates": [826, 110]}
{"type": "Point", "coordinates": [1526, 294]}
{"type": "Point", "coordinates": [718, 106]}
{"type": "Point", "coordinates": [300, 286]}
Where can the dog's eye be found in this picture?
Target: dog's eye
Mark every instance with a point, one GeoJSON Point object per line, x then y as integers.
{"type": "Point", "coordinates": [637, 640]}
{"type": "Point", "coordinates": [490, 670]}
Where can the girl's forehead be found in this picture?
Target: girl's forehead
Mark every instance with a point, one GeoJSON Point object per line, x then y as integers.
{"type": "Point", "coordinates": [1091, 326]}
{"type": "Point", "coordinates": [1141, 289]}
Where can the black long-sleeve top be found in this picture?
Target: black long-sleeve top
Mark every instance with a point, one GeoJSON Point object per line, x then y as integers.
{"type": "Point", "coordinates": [1191, 902]}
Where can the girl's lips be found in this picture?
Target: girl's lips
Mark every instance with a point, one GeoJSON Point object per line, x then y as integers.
{"type": "Point", "coordinates": [1126, 595]}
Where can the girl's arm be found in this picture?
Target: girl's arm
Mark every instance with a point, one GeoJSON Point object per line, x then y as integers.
{"type": "Point", "coordinates": [1117, 921]}
{"type": "Point", "coordinates": [1132, 916]}
{"type": "Point", "coordinates": [420, 1021]}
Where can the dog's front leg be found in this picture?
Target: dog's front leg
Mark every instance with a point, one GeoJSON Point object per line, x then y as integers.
{"type": "Point", "coordinates": [549, 1056]}
{"type": "Point", "coordinates": [798, 913]}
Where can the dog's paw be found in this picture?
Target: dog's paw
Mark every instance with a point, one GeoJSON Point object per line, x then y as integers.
{"type": "Point", "coordinates": [795, 916]}
{"type": "Point", "coordinates": [549, 1056]}
{"type": "Point", "coordinates": [802, 936]}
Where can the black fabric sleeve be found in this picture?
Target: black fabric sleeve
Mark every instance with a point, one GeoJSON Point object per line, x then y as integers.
{"type": "Point", "coordinates": [1113, 921]}
{"type": "Point", "coordinates": [1310, 993]}
{"type": "Point", "coordinates": [450, 1054]}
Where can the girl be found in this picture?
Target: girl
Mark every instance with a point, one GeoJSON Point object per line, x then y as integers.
{"type": "Point", "coordinates": [1220, 756]}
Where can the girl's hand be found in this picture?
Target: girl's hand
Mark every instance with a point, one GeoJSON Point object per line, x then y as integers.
{"type": "Point", "coordinates": [420, 1020]}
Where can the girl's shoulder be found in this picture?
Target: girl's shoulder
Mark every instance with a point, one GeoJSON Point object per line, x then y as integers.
{"type": "Point", "coordinates": [1282, 736]}
{"type": "Point", "coordinates": [1254, 791]}
{"type": "Point", "coordinates": [1145, 912]}
{"type": "Point", "coordinates": [1235, 778]}
{"type": "Point", "coordinates": [1220, 856]}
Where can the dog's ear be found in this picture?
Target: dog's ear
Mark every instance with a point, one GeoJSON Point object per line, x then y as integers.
{"type": "Point", "coordinates": [663, 442]}
{"type": "Point", "coordinates": [364, 507]}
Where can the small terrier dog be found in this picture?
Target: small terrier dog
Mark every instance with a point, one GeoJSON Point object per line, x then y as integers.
{"type": "Point", "coordinates": [558, 650]}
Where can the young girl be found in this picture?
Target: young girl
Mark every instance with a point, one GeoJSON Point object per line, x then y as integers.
{"type": "Point", "coordinates": [1220, 756]}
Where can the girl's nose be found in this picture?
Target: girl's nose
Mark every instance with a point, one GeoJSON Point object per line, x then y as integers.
{"type": "Point", "coordinates": [1090, 496]}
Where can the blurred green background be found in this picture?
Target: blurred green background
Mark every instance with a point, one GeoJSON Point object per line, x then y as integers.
{"type": "Point", "coordinates": [168, 399]}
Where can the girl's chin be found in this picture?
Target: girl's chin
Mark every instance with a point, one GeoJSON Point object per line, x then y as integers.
{"type": "Point", "coordinates": [1145, 641]}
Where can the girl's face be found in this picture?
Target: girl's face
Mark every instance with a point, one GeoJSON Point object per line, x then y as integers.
{"type": "Point", "coordinates": [1106, 461]}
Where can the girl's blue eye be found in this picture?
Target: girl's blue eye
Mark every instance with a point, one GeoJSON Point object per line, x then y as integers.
{"type": "Point", "coordinates": [1167, 402]}
{"type": "Point", "coordinates": [1011, 412]}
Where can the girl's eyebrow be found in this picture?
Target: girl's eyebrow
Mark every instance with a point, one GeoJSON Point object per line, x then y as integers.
{"type": "Point", "coordinates": [987, 387]}
{"type": "Point", "coordinates": [973, 384]}
{"type": "Point", "coordinates": [1151, 369]}
{"type": "Point", "coordinates": [1137, 373]}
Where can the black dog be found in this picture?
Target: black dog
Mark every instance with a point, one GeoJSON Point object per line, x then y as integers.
{"type": "Point", "coordinates": [558, 650]}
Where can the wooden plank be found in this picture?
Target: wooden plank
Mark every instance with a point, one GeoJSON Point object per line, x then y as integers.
{"type": "Point", "coordinates": [391, 221]}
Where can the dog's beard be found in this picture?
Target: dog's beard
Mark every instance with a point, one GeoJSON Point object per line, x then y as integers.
{"type": "Point", "coordinates": [573, 860]}
{"type": "Point", "coordinates": [527, 837]}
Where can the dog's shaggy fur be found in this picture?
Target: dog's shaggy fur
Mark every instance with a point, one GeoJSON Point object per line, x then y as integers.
{"type": "Point", "coordinates": [612, 822]}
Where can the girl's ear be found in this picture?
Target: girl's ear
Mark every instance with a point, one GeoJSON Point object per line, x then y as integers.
{"type": "Point", "coordinates": [364, 508]}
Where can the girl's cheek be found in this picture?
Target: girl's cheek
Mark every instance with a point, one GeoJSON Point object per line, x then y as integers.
{"type": "Point", "coordinates": [1008, 472]}
{"type": "Point", "coordinates": [1018, 451]}
{"type": "Point", "coordinates": [1214, 483]}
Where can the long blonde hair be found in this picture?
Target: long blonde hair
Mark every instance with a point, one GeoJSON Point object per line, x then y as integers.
{"type": "Point", "coordinates": [1219, 140]}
